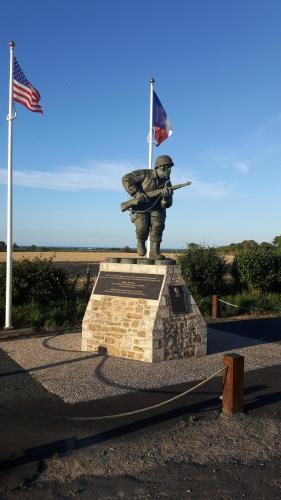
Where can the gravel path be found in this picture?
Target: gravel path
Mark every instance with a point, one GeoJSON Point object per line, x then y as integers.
{"type": "Point", "coordinates": [57, 364]}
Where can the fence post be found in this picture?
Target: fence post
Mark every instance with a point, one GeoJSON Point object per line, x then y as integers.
{"type": "Point", "coordinates": [233, 384]}
{"type": "Point", "coordinates": [88, 277]}
{"type": "Point", "coordinates": [214, 306]}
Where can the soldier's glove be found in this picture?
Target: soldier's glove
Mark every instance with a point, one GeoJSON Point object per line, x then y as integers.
{"type": "Point", "coordinates": [139, 196]}
{"type": "Point", "coordinates": [166, 192]}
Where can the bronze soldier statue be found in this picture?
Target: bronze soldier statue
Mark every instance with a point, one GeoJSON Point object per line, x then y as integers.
{"type": "Point", "coordinates": [148, 211]}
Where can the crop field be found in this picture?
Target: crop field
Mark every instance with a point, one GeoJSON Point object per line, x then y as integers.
{"type": "Point", "coordinates": [77, 265]}
{"type": "Point", "coordinates": [74, 256]}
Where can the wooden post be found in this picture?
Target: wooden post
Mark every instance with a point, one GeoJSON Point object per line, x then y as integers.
{"type": "Point", "coordinates": [88, 276]}
{"type": "Point", "coordinates": [214, 306]}
{"type": "Point", "coordinates": [233, 384]}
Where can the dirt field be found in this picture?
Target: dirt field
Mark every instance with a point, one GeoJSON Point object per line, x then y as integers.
{"type": "Point", "coordinates": [73, 256]}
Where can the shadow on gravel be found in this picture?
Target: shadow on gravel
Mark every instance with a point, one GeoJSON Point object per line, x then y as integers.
{"type": "Point", "coordinates": [107, 381]}
{"type": "Point", "coordinates": [71, 444]}
{"type": "Point", "coordinates": [16, 382]}
{"type": "Point", "coordinates": [19, 370]}
{"type": "Point", "coordinates": [47, 343]}
{"type": "Point", "coordinates": [66, 446]}
{"type": "Point", "coordinates": [263, 400]}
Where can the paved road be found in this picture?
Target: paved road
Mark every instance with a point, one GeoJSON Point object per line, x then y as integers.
{"type": "Point", "coordinates": [266, 329]}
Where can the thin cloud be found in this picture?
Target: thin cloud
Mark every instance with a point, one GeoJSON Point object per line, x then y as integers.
{"type": "Point", "coordinates": [200, 188]}
{"type": "Point", "coordinates": [210, 189]}
{"type": "Point", "coordinates": [102, 176]}
{"type": "Point", "coordinates": [259, 147]}
{"type": "Point", "coordinates": [226, 160]}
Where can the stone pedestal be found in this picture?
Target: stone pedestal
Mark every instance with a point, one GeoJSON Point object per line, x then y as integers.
{"type": "Point", "coordinates": [143, 312]}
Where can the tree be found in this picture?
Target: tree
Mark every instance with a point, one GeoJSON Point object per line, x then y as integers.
{"type": "Point", "coordinates": [192, 246]}
{"type": "Point", "coordinates": [249, 244]}
{"type": "Point", "coordinates": [2, 246]}
{"type": "Point", "coordinates": [266, 246]}
{"type": "Point", "coordinates": [277, 241]}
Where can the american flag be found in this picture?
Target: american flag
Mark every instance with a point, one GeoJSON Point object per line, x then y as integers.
{"type": "Point", "coordinates": [23, 91]}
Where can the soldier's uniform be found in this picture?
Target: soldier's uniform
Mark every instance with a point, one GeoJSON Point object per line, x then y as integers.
{"type": "Point", "coordinates": [148, 216]}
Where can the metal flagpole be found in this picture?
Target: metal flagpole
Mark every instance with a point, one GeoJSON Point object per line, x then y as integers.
{"type": "Point", "coordinates": [150, 142]}
{"type": "Point", "coordinates": [10, 117]}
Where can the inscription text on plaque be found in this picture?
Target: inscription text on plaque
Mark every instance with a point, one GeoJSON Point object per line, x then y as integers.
{"type": "Point", "coordinates": [134, 285]}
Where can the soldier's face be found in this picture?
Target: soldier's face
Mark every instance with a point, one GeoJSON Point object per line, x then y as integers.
{"type": "Point", "coordinates": [164, 171]}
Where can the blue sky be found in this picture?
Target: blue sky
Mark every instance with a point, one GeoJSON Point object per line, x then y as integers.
{"type": "Point", "coordinates": [217, 66]}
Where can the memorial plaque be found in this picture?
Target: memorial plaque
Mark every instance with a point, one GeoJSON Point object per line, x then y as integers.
{"type": "Point", "coordinates": [178, 300]}
{"type": "Point", "coordinates": [133, 285]}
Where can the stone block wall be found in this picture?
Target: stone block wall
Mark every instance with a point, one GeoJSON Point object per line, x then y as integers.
{"type": "Point", "coordinates": [144, 329]}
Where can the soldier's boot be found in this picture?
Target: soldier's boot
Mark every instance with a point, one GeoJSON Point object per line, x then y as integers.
{"type": "Point", "coordinates": [141, 249]}
{"type": "Point", "coordinates": [155, 250]}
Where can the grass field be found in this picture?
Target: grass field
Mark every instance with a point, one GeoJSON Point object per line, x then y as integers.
{"type": "Point", "coordinates": [73, 256]}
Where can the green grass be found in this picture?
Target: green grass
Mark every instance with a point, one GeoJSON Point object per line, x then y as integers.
{"type": "Point", "coordinates": [48, 317]}
{"type": "Point", "coordinates": [250, 303]}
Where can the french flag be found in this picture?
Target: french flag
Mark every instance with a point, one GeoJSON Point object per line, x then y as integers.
{"type": "Point", "coordinates": [162, 128]}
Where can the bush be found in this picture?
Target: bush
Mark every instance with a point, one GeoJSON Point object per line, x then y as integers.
{"type": "Point", "coordinates": [258, 269]}
{"type": "Point", "coordinates": [204, 304]}
{"type": "Point", "coordinates": [27, 315]}
{"type": "Point", "coordinates": [42, 295]}
{"type": "Point", "coordinates": [37, 280]}
{"type": "Point", "coordinates": [203, 270]}
{"type": "Point", "coordinates": [52, 316]}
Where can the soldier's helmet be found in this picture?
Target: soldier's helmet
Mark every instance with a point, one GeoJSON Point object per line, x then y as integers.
{"type": "Point", "coordinates": [163, 160]}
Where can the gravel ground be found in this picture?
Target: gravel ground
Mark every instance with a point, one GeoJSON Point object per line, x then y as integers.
{"type": "Point", "coordinates": [199, 456]}
{"type": "Point", "coordinates": [57, 363]}
{"type": "Point", "coordinates": [215, 457]}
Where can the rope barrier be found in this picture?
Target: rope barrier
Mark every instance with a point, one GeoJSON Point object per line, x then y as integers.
{"type": "Point", "coordinates": [119, 415]}
{"type": "Point", "coordinates": [242, 307]}
{"type": "Point", "coordinates": [234, 305]}
{"type": "Point", "coordinates": [228, 303]}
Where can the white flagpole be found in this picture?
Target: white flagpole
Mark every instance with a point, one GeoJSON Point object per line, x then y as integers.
{"type": "Point", "coordinates": [10, 117]}
{"type": "Point", "coordinates": [150, 142]}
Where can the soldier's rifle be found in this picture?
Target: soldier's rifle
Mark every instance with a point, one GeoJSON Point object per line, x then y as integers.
{"type": "Point", "coordinates": [134, 202]}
